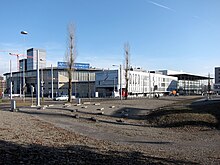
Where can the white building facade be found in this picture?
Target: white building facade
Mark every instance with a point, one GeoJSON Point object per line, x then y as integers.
{"type": "Point", "coordinates": [140, 83]}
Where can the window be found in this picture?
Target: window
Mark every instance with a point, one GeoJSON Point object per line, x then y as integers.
{"type": "Point", "coordinates": [162, 84]}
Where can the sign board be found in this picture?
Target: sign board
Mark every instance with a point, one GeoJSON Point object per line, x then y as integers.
{"type": "Point", "coordinates": [64, 65]}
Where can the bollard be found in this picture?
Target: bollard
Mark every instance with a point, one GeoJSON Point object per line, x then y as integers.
{"type": "Point", "coordinates": [13, 105]}
{"type": "Point", "coordinates": [78, 101]}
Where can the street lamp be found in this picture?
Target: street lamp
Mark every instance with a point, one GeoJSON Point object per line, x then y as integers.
{"type": "Point", "coordinates": [10, 82]}
{"type": "Point", "coordinates": [42, 83]}
{"type": "Point", "coordinates": [38, 81]}
{"type": "Point", "coordinates": [120, 70]}
{"type": "Point", "coordinates": [24, 33]}
{"type": "Point", "coordinates": [52, 81]}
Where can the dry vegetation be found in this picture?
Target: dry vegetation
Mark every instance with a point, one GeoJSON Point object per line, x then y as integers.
{"type": "Point", "coordinates": [188, 114]}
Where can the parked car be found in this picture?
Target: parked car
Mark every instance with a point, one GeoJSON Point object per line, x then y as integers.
{"type": "Point", "coordinates": [62, 98]}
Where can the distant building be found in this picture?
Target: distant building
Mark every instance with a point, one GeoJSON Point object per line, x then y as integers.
{"type": "Point", "coordinates": [188, 83]}
{"type": "Point", "coordinates": [83, 82]}
{"type": "Point", "coordinates": [217, 80]}
{"type": "Point", "coordinates": [32, 58]}
{"type": "Point", "coordinates": [140, 83]}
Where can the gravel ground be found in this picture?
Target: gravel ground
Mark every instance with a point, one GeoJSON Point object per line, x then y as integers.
{"type": "Point", "coordinates": [82, 135]}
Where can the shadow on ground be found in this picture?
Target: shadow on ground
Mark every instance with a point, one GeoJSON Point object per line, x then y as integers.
{"type": "Point", "coordinates": [11, 153]}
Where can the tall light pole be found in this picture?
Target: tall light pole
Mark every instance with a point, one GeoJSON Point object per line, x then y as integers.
{"type": "Point", "coordinates": [42, 83]}
{"type": "Point", "coordinates": [24, 33]}
{"type": "Point", "coordinates": [38, 80]}
{"type": "Point", "coordinates": [52, 81]}
{"type": "Point", "coordinates": [120, 70]}
{"type": "Point", "coordinates": [10, 82]}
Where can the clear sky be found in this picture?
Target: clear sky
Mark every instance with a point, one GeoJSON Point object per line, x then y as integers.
{"type": "Point", "coordinates": [163, 34]}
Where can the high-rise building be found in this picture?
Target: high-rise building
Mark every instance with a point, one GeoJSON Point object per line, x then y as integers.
{"type": "Point", "coordinates": [32, 58]}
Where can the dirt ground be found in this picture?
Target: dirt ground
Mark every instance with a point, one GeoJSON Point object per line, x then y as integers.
{"type": "Point", "coordinates": [108, 132]}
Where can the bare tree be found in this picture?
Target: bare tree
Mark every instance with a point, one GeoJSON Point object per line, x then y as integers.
{"type": "Point", "coordinates": [127, 66]}
{"type": "Point", "coordinates": [70, 57]}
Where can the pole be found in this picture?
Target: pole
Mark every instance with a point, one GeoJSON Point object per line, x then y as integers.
{"type": "Point", "coordinates": [149, 85]}
{"type": "Point", "coordinates": [120, 82]}
{"type": "Point", "coordinates": [58, 90]}
{"type": "Point", "coordinates": [10, 82]}
{"type": "Point", "coordinates": [88, 86]}
{"type": "Point", "coordinates": [32, 90]}
{"type": "Point", "coordinates": [23, 80]}
{"type": "Point", "coordinates": [24, 84]}
{"type": "Point", "coordinates": [20, 82]}
{"type": "Point", "coordinates": [38, 80]}
{"type": "Point", "coordinates": [114, 87]}
{"type": "Point", "coordinates": [3, 90]}
{"type": "Point", "coordinates": [52, 81]}
{"type": "Point", "coordinates": [42, 84]}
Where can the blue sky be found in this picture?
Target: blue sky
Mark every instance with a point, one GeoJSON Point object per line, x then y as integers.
{"type": "Point", "coordinates": [163, 34]}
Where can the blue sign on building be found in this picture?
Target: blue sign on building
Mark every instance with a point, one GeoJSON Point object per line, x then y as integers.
{"type": "Point", "coordinates": [64, 65]}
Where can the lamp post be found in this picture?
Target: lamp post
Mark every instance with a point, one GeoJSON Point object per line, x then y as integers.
{"type": "Point", "coordinates": [3, 89]}
{"type": "Point", "coordinates": [10, 82]}
{"type": "Point", "coordinates": [52, 81]}
{"type": "Point", "coordinates": [24, 33]}
{"type": "Point", "coordinates": [38, 80]}
{"type": "Point", "coordinates": [42, 84]}
{"type": "Point", "coordinates": [20, 80]}
{"type": "Point", "coordinates": [120, 70]}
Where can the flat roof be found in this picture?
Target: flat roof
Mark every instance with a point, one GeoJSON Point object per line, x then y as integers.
{"type": "Point", "coordinates": [191, 77]}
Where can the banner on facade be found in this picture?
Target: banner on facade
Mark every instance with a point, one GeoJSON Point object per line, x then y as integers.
{"type": "Point", "coordinates": [63, 65]}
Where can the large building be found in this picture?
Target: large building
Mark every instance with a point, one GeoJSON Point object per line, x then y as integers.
{"type": "Point", "coordinates": [83, 81]}
{"type": "Point", "coordinates": [217, 80]}
{"type": "Point", "coordinates": [90, 82]}
{"type": "Point", "coordinates": [190, 84]}
{"type": "Point", "coordinates": [140, 83]}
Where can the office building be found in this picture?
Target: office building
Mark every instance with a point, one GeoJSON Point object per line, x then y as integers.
{"type": "Point", "coordinates": [32, 58]}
